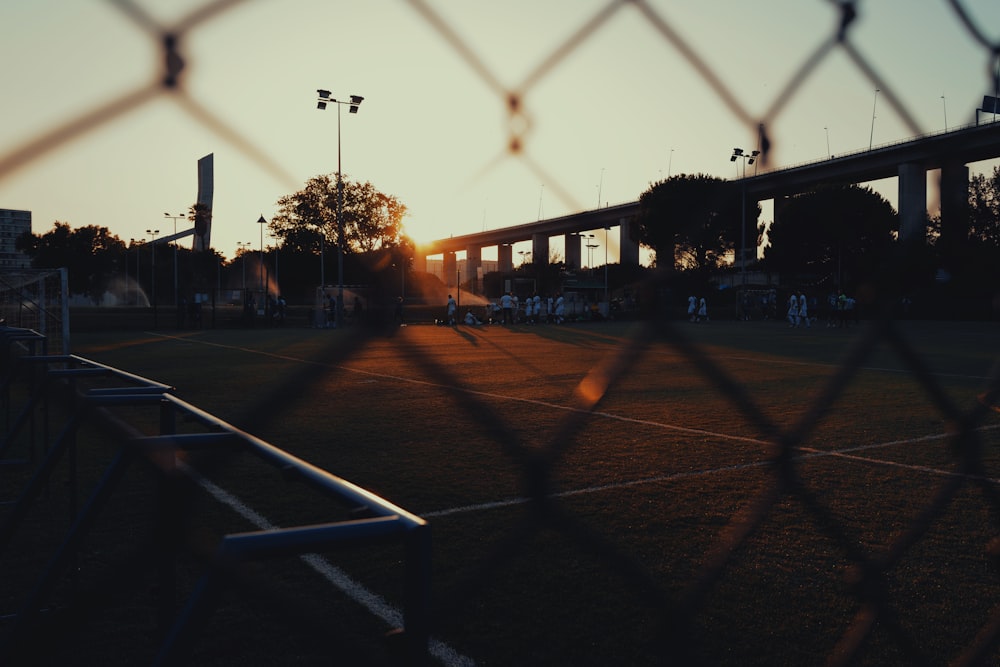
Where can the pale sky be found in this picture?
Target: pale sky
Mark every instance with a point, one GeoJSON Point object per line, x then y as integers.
{"type": "Point", "coordinates": [616, 110]}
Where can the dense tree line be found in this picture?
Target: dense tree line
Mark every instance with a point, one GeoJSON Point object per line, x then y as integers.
{"type": "Point", "coordinates": [835, 235]}
{"type": "Point", "coordinates": [375, 249]}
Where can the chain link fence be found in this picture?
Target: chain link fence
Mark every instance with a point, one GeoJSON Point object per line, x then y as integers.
{"type": "Point", "coordinates": [537, 462]}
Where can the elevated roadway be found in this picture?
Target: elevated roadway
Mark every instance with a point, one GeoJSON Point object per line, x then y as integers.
{"type": "Point", "coordinates": [908, 161]}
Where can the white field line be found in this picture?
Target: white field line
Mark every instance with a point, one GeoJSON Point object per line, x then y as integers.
{"type": "Point", "coordinates": [447, 655]}
{"type": "Point", "coordinates": [809, 453]}
{"type": "Point", "coordinates": [374, 603]}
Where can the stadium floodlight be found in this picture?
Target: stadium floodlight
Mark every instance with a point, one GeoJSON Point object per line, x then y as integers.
{"type": "Point", "coordinates": [324, 99]}
{"type": "Point", "coordinates": [747, 159]}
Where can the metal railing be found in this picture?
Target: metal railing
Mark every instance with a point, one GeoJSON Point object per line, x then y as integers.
{"type": "Point", "coordinates": [107, 398]}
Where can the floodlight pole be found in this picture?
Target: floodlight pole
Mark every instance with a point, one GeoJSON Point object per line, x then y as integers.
{"type": "Point", "coordinates": [243, 245]}
{"type": "Point", "coordinates": [175, 218]}
{"type": "Point", "coordinates": [607, 299]}
{"type": "Point", "coordinates": [152, 250]}
{"type": "Point", "coordinates": [739, 153]}
{"type": "Point", "coordinates": [353, 104]}
{"type": "Point", "coordinates": [277, 247]}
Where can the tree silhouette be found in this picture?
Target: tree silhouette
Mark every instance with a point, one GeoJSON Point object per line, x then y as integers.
{"type": "Point", "coordinates": [692, 222]}
{"type": "Point", "coordinates": [838, 233]}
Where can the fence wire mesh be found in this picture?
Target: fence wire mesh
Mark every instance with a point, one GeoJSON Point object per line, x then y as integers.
{"type": "Point", "coordinates": [537, 462]}
{"type": "Point", "coordinates": [38, 300]}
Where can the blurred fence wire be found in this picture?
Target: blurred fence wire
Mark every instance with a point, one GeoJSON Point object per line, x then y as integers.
{"type": "Point", "coordinates": [537, 465]}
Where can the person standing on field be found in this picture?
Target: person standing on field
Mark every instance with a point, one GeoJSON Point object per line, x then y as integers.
{"type": "Point", "coordinates": [793, 310]}
{"type": "Point", "coordinates": [804, 311]}
{"type": "Point", "coordinates": [452, 307]}
{"type": "Point", "coordinates": [506, 304]}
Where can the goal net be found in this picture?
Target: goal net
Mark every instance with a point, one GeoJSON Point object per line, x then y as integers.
{"type": "Point", "coordinates": [37, 299]}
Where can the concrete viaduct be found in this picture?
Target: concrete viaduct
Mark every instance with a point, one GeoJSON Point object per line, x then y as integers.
{"type": "Point", "coordinates": [908, 161]}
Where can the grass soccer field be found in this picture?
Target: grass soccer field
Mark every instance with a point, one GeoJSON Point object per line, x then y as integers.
{"type": "Point", "coordinates": [723, 493]}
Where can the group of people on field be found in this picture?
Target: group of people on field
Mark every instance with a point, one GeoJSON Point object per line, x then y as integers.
{"type": "Point", "coordinates": [509, 309]}
{"type": "Point", "coordinates": [840, 310]}
{"type": "Point", "coordinates": [697, 309]}
{"type": "Point", "coordinates": [798, 310]}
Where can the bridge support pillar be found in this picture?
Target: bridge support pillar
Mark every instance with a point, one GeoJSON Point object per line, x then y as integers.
{"type": "Point", "coordinates": [628, 242]}
{"type": "Point", "coordinates": [473, 265]}
{"type": "Point", "coordinates": [572, 242]}
{"type": "Point", "coordinates": [954, 204]}
{"type": "Point", "coordinates": [540, 249]}
{"type": "Point", "coordinates": [450, 269]}
{"type": "Point", "coordinates": [505, 258]}
{"type": "Point", "coordinates": [912, 202]}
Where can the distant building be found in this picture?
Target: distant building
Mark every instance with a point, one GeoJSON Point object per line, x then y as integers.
{"type": "Point", "coordinates": [13, 224]}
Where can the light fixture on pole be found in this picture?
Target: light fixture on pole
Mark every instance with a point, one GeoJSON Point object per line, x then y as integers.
{"type": "Point", "coordinates": [152, 252]}
{"type": "Point", "coordinates": [175, 218]}
{"type": "Point", "coordinates": [606, 297]}
{"type": "Point", "coordinates": [871, 137]}
{"type": "Point", "coordinates": [261, 222]}
{"type": "Point", "coordinates": [137, 244]}
{"type": "Point", "coordinates": [600, 184]}
{"type": "Point", "coordinates": [243, 245]}
{"type": "Point", "coordinates": [277, 247]}
{"type": "Point", "coordinates": [353, 104]}
{"type": "Point", "coordinates": [738, 153]}
{"type": "Point", "coordinates": [590, 251]}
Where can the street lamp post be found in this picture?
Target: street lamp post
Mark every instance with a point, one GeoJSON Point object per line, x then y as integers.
{"type": "Point", "coordinates": [243, 246]}
{"type": "Point", "coordinates": [590, 251]}
{"type": "Point", "coordinates": [738, 153]}
{"type": "Point", "coordinates": [262, 222]}
{"type": "Point", "coordinates": [277, 247]}
{"type": "Point", "coordinates": [871, 137]}
{"type": "Point", "coordinates": [264, 301]}
{"type": "Point", "coordinates": [175, 218]}
{"type": "Point", "coordinates": [137, 243]}
{"type": "Point", "coordinates": [152, 251]}
{"type": "Point", "coordinates": [607, 299]}
{"type": "Point", "coordinates": [353, 104]}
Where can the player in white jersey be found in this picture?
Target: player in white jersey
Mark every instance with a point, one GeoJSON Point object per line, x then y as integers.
{"type": "Point", "coordinates": [793, 310]}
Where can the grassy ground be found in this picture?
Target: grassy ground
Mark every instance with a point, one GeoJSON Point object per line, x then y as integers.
{"type": "Point", "coordinates": [662, 530]}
